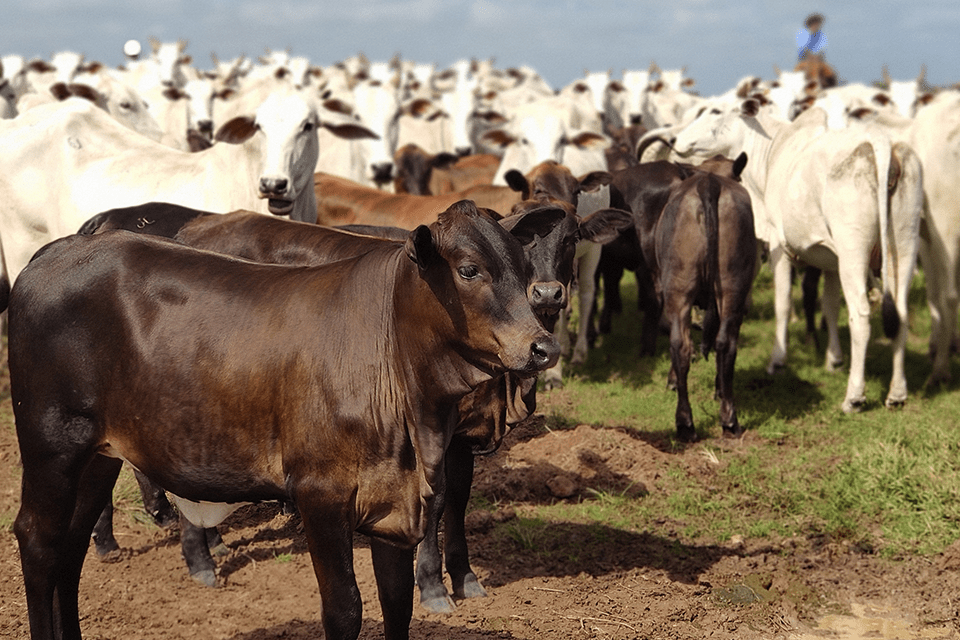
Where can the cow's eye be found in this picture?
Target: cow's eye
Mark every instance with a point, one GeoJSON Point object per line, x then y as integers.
{"type": "Point", "coordinates": [468, 272]}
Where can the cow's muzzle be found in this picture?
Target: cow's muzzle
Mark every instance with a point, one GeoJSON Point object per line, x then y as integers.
{"type": "Point", "coordinates": [276, 191]}
{"type": "Point", "coordinates": [547, 298]}
{"type": "Point", "coordinates": [544, 352]}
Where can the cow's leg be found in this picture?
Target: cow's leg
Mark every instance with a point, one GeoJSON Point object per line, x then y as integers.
{"type": "Point", "coordinates": [781, 305]}
{"type": "Point", "coordinates": [853, 280]}
{"type": "Point", "coordinates": [429, 573]}
{"type": "Point", "coordinates": [586, 270]}
{"type": "Point", "coordinates": [53, 529]}
{"type": "Point", "coordinates": [196, 553]}
{"type": "Point", "coordinates": [155, 502]}
{"type": "Point", "coordinates": [215, 542]}
{"type": "Point", "coordinates": [726, 350]}
{"type": "Point", "coordinates": [459, 476]}
{"type": "Point", "coordinates": [681, 350]}
{"type": "Point", "coordinates": [612, 302]}
{"type": "Point", "coordinates": [906, 205]}
{"type": "Point", "coordinates": [650, 305]}
{"type": "Point", "coordinates": [108, 550]}
{"type": "Point", "coordinates": [393, 569]}
{"type": "Point", "coordinates": [329, 534]}
{"type": "Point", "coordinates": [810, 288]}
{"type": "Point", "coordinates": [831, 316]}
{"type": "Point", "coordinates": [94, 492]}
{"type": "Point", "coordinates": [940, 279]}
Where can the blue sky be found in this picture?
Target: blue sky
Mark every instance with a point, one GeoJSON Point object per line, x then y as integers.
{"type": "Point", "coordinates": [718, 41]}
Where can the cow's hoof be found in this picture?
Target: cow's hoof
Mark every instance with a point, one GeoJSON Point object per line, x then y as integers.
{"type": "Point", "coordinates": [895, 403]}
{"type": "Point", "coordinates": [774, 367]}
{"type": "Point", "coordinates": [853, 406]}
{"type": "Point", "coordinates": [734, 431]}
{"type": "Point", "coordinates": [207, 577]}
{"type": "Point", "coordinates": [686, 434]}
{"type": "Point", "coordinates": [938, 379]}
{"type": "Point", "coordinates": [165, 519]}
{"type": "Point", "coordinates": [110, 556]}
{"type": "Point", "coordinates": [442, 605]}
{"type": "Point", "coordinates": [471, 588]}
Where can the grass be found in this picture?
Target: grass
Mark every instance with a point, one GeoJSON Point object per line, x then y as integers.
{"type": "Point", "coordinates": [886, 480]}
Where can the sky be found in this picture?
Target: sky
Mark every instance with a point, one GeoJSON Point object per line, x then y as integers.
{"type": "Point", "coordinates": [718, 42]}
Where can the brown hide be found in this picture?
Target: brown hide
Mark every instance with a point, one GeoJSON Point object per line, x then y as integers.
{"type": "Point", "coordinates": [333, 385]}
{"type": "Point", "coordinates": [343, 202]}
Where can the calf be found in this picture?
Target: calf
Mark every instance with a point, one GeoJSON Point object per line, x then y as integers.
{"type": "Point", "coordinates": [244, 402]}
{"type": "Point", "coordinates": [705, 254]}
{"type": "Point", "coordinates": [490, 410]}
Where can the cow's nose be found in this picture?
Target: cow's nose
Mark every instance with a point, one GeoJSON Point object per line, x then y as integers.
{"type": "Point", "coordinates": [205, 126]}
{"type": "Point", "coordinates": [545, 352]}
{"type": "Point", "coordinates": [547, 296]}
{"type": "Point", "coordinates": [273, 185]}
{"type": "Point", "coordinates": [382, 172]}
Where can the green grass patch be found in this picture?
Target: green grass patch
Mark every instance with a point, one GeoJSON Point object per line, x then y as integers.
{"type": "Point", "coordinates": [886, 480]}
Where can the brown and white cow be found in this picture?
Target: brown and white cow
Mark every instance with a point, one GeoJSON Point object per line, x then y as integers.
{"type": "Point", "coordinates": [337, 389]}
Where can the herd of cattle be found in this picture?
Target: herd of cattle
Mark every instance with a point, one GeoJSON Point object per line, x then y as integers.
{"type": "Point", "coordinates": [350, 353]}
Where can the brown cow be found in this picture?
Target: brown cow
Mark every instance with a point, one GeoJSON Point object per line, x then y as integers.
{"type": "Point", "coordinates": [421, 173]}
{"type": "Point", "coordinates": [335, 386]}
{"type": "Point", "coordinates": [343, 202]}
{"type": "Point", "coordinates": [705, 254]}
{"type": "Point", "coordinates": [489, 410]}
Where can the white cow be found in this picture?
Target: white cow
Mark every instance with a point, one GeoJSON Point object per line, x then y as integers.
{"type": "Point", "coordinates": [376, 103]}
{"type": "Point", "coordinates": [823, 195]}
{"type": "Point", "coordinates": [64, 162]}
{"type": "Point", "coordinates": [665, 101]}
{"type": "Point", "coordinates": [934, 133]}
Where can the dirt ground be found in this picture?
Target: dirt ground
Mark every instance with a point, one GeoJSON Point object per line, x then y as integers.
{"type": "Point", "coordinates": [611, 583]}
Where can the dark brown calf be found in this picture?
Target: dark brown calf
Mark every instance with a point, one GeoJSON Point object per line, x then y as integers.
{"type": "Point", "coordinates": [489, 410]}
{"type": "Point", "coordinates": [706, 254]}
{"type": "Point", "coordinates": [335, 386]}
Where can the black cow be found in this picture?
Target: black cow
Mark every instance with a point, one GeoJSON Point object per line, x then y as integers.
{"type": "Point", "coordinates": [705, 254]}
{"type": "Point", "coordinates": [335, 386]}
{"type": "Point", "coordinates": [548, 230]}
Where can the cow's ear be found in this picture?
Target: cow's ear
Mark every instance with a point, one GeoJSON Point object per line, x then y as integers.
{"type": "Point", "coordinates": [739, 164]}
{"type": "Point", "coordinates": [518, 182]}
{"type": "Point", "coordinates": [536, 222]}
{"type": "Point", "coordinates": [60, 91]}
{"type": "Point", "coordinates": [420, 248]}
{"type": "Point", "coordinates": [595, 179]}
{"type": "Point", "coordinates": [80, 90]}
{"type": "Point", "coordinates": [350, 131]}
{"type": "Point", "coordinates": [604, 225]}
{"type": "Point", "coordinates": [237, 131]}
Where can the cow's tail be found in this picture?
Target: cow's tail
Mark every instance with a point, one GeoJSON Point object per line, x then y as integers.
{"type": "Point", "coordinates": [889, 167]}
{"type": "Point", "coordinates": [708, 189]}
